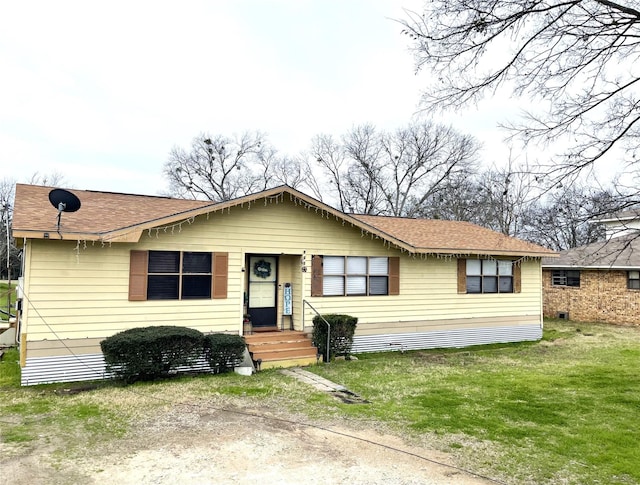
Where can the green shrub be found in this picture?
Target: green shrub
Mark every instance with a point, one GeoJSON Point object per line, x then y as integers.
{"type": "Point", "coordinates": [150, 352]}
{"type": "Point", "coordinates": [341, 338]}
{"type": "Point", "coordinates": [223, 351]}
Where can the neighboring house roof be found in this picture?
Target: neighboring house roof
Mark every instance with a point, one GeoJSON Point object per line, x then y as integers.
{"type": "Point", "coordinates": [615, 253]}
{"type": "Point", "coordinates": [114, 217]}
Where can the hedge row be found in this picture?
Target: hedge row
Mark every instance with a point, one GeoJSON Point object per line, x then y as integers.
{"type": "Point", "coordinates": [147, 353]}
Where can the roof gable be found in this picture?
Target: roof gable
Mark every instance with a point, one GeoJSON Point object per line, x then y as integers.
{"type": "Point", "coordinates": [115, 217]}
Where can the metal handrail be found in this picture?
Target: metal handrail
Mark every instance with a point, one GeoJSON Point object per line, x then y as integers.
{"type": "Point", "coordinates": [10, 315]}
{"type": "Point", "coordinates": [305, 302]}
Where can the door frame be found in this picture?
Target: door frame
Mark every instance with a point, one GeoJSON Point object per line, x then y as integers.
{"type": "Point", "coordinates": [270, 313]}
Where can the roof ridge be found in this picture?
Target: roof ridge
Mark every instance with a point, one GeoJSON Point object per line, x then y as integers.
{"type": "Point", "coordinates": [109, 192]}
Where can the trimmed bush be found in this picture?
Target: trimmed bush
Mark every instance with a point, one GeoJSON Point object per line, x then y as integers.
{"type": "Point", "coordinates": [341, 339]}
{"type": "Point", "coordinates": [223, 351]}
{"type": "Point", "coordinates": [147, 353]}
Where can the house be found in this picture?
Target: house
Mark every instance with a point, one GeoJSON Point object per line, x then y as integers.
{"type": "Point", "coordinates": [621, 224]}
{"type": "Point", "coordinates": [280, 256]}
{"type": "Point", "coordinates": [599, 282]}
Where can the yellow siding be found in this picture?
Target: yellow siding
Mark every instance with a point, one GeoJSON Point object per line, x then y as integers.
{"type": "Point", "coordinates": [289, 272]}
{"type": "Point", "coordinates": [428, 291]}
{"type": "Point", "coordinates": [81, 291]}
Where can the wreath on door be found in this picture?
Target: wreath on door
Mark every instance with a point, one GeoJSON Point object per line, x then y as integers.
{"type": "Point", "coordinates": [262, 269]}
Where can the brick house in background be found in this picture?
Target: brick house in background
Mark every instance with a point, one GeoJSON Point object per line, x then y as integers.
{"type": "Point", "coordinates": [599, 282]}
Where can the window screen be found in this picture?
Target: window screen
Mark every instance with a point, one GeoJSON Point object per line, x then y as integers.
{"type": "Point", "coordinates": [174, 275]}
{"type": "Point", "coordinates": [355, 275]}
{"type": "Point", "coordinates": [489, 276]}
{"type": "Point", "coordinates": [633, 280]}
{"type": "Point", "coordinates": [164, 262]}
{"type": "Point", "coordinates": [565, 278]}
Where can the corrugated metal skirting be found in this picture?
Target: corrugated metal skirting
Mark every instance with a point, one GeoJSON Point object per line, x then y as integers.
{"type": "Point", "coordinates": [67, 368]}
{"type": "Point", "coordinates": [75, 368]}
{"type": "Point", "coordinates": [88, 367]}
{"type": "Point", "coordinates": [463, 337]}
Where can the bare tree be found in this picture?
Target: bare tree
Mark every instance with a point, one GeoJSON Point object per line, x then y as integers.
{"type": "Point", "coordinates": [566, 219]}
{"type": "Point", "coordinates": [9, 253]}
{"type": "Point", "coordinates": [461, 199]}
{"type": "Point", "coordinates": [51, 179]}
{"type": "Point", "coordinates": [219, 168]}
{"type": "Point", "coordinates": [7, 191]}
{"type": "Point", "coordinates": [508, 197]}
{"type": "Point", "coordinates": [365, 186]}
{"type": "Point", "coordinates": [329, 156]}
{"type": "Point", "coordinates": [419, 160]}
{"type": "Point", "coordinates": [291, 171]}
{"type": "Point", "coordinates": [576, 60]}
{"type": "Point", "coordinates": [348, 170]}
{"type": "Point", "coordinates": [393, 173]}
{"type": "Point", "coordinates": [500, 198]}
{"type": "Point", "coordinates": [9, 261]}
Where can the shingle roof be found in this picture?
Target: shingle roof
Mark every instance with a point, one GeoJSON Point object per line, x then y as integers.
{"type": "Point", "coordinates": [109, 216]}
{"type": "Point", "coordinates": [619, 252]}
{"type": "Point", "coordinates": [100, 213]}
{"type": "Point", "coordinates": [437, 235]}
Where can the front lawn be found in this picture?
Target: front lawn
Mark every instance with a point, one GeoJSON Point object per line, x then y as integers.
{"type": "Point", "coordinates": [565, 410]}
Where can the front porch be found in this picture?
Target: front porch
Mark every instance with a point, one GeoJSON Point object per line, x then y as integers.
{"type": "Point", "coordinates": [288, 348]}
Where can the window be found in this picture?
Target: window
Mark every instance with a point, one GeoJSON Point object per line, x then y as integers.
{"type": "Point", "coordinates": [354, 276]}
{"type": "Point", "coordinates": [174, 275]}
{"type": "Point", "coordinates": [565, 278]}
{"type": "Point", "coordinates": [177, 275]}
{"type": "Point", "coordinates": [489, 276]}
{"type": "Point", "coordinates": [633, 280]}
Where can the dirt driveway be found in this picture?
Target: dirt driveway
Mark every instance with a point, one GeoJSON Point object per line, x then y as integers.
{"type": "Point", "coordinates": [225, 447]}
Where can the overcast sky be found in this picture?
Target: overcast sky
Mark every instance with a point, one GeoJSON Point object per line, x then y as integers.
{"type": "Point", "coordinates": [100, 92]}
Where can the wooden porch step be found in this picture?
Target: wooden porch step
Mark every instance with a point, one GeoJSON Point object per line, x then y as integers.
{"type": "Point", "coordinates": [281, 349]}
{"type": "Point", "coordinates": [277, 336]}
{"type": "Point", "coordinates": [280, 345]}
{"type": "Point", "coordinates": [282, 354]}
{"type": "Point", "coordinates": [282, 364]}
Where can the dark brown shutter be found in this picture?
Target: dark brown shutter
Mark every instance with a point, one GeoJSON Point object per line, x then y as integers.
{"type": "Point", "coordinates": [316, 275]}
{"type": "Point", "coordinates": [394, 276]}
{"type": "Point", "coordinates": [462, 275]}
{"type": "Point", "coordinates": [517, 278]}
{"type": "Point", "coordinates": [138, 261]}
{"type": "Point", "coordinates": [220, 275]}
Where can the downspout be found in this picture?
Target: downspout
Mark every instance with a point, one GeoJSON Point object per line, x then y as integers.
{"type": "Point", "coordinates": [23, 266]}
{"type": "Point", "coordinates": [8, 261]}
{"type": "Point", "coordinates": [541, 276]}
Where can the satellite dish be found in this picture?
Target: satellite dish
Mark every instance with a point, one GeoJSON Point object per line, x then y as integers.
{"type": "Point", "coordinates": [64, 201]}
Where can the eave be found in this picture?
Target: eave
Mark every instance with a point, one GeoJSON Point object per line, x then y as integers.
{"type": "Point", "coordinates": [486, 252]}
{"type": "Point", "coordinates": [594, 267]}
{"type": "Point", "coordinates": [133, 233]}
